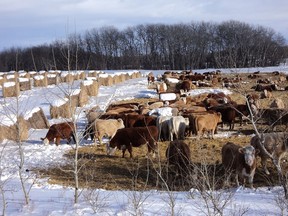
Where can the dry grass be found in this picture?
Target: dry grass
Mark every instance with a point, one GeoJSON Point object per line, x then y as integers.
{"type": "Point", "coordinates": [140, 173]}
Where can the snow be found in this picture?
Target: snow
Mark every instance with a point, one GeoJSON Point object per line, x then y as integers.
{"type": "Point", "coordinates": [48, 199]}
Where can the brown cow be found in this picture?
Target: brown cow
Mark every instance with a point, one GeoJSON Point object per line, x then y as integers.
{"type": "Point", "coordinates": [240, 161]}
{"type": "Point", "coordinates": [64, 130]}
{"type": "Point", "coordinates": [275, 143]}
{"type": "Point", "coordinates": [139, 120]}
{"type": "Point", "coordinates": [207, 122]}
{"type": "Point", "coordinates": [178, 154]}
{"type": "Point", "coordinates": [126, 138]}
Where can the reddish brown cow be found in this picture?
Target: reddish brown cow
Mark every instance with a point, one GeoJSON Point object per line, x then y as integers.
{"type": "Point", "coordinates": [150, 79]}
{"type": "Point", "coordinates": [64, 130]}
{"type": "Point", "coordinates": [126, 138]}
{"type": "Point", "coordinates": [139, 120]}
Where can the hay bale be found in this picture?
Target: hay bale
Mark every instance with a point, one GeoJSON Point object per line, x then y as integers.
{"type": "Point", "coordinates": [31, 74]}
{"type": "Point", "coordinates": [67, 77]}
{"type": "Point", "coordinates": [83, 98]}
{"type": "Point", "coordinates": [52, 79]}
{"type": "Point", "coordinates": [36, 119]}
{"type": "Point", "coordinates": [90, 86]}
{"type": "Point", "coordinates": [10, 89]}
{"type": "Point", "coordinates": [2, 80]}
{"type": "Point", "coordinates": [19, 131]}
{"type": "Point", "coordinates": [82, 75]}
{"type": "Point", "coordinates": [108, 81]}
{"type": "Point", "coordinates": [24, 84]}
{"type": "Point", "coordinates": [61, 109]}
{"type": "Point", "coordinates": [116, 79]}
{"type": "Point", "coordinates": [40, 81]}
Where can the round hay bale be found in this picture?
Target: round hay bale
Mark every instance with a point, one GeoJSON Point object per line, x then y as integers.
{"type": "Point", "coordinates": [83, 98]}
{"type": "Point", "coordinates": [61, 109]}
{"type": "Point", "coordinates": [116, 79]}
{"type": "Point", "coordinates": [10, 89]}
{"type": "Point", "coordinates": [17, 132]}
{"type": "Point", "coordinates": [24, 84]}
{"type": "Point", "coordinates": [40, 81]}
{"type": "Point", "coordinates": [36, 119]}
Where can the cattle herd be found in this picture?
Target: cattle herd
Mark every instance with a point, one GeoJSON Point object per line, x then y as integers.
{"type": "Point", "coordinates": [257, 102]}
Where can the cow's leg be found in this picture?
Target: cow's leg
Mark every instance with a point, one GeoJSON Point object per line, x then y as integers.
{"type": "Point", "coordinates": [212, 133]}
{"type": "Point", "coordinates": [264, 165]}
{"type": "Point", "coordinates": [237, 179]}
{"type": "Point", "coordinates": [57, 141]}
{"type": "Point", "coordinates": [130, 151]}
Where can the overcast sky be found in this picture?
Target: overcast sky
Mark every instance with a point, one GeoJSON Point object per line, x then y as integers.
{"type": "Point", "coordinates": [32, 22]}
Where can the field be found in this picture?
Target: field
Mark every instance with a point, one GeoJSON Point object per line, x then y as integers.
{"type": "Point", "coordinates": [115, 173]}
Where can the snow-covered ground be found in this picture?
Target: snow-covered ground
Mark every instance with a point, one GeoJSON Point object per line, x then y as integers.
{"type": "Point", "coordinates": [47, 199]}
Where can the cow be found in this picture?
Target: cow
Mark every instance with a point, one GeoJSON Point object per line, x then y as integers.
{"type": "Point", "coordinates": [241, 161]}
{"type": "Point", "coordinates": [272, 117]}
{"type": "Point", "coordinates": [64, 130]}
{"type": "Point", "coordinates": [139, 120]}
{"type": "Point", "coordinates": [126, 138]}
{"type": "Point", "coordinates": [161, 87]}
{"type": "Point", "coordinates": [177, 127]}
{"type": "Point", "coordinates": [186, 85]}
{"type": "Point", "coordinates": [162, 124]}
{"type": "Point", "coordinates": [228, 113]}
{"type": "Point", "coordinates": [275, 144]}
{"type": "Point", "coordinates": [178, 154]}
{"type": "Point", "coordinates": [107, 128]}
{"type": "Point", "coordinates": [150, 79]}
{"type": "Point", "coordinates": [208, 123]}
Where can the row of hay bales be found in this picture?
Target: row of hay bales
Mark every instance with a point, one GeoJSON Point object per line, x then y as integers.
{"type": "Point", "coordinates": [13, 83]}
{"type": "Point", "coordinates": [65, 107]}
{"type": "Point", "coordinates": [18, 129]}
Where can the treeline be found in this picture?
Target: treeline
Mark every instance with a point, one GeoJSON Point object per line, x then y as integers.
{"type": "Point", "coordinates": [229, 44]}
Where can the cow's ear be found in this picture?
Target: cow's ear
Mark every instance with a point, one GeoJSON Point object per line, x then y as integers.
{"type": "Point", "coordinates": [240, 150]}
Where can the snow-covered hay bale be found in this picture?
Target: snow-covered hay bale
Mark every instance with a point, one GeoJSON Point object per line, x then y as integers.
{"type": "Point", "coordinates": [2, 80]}
{"type": "Point", "coordinates": [10, 89]}
{"type": "Point", "coordinates": [24, 84]}
{"type": "Point", "coordinates": [83, 98]}
{"type": "Point", "coordinates": [32, 74]}
{"type": "Point", "coordinates": [36, 119]}
{"type": "Point", "coordinates": [90, 86]}
{"type": "Point", "coordinates": [40, 81]}
{"type": "Point", "coordinates": [61, 109]}
{"type": "Point", "coordinates": [67, 77]}
{"type": "Point", "coordinates": [107, 81]}
{"type": "Point", "coordinates": [135, 75]}
{"type": "Point", "coordinates": [11, 76]}
{"type": "Point", "coordinates": [116, 79]}
{"type": "Point", "coordinates": [82, 75]}
{"type": "Point", "coordinates": [52, 79]}
{"type": "Point", "coordinates": [24, 74]}
{"type": "Point", "coordinates": [19, 131]}
{"type": "Point", "coordinates": [78, 98]}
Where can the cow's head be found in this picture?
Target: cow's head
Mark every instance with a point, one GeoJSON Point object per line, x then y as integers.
{"type": "Point", "coordinates": [249, 154]}
{"type": "Point", "coordinates": [110, 150]}
{"type": "Point", "coordinates": [45, 141]}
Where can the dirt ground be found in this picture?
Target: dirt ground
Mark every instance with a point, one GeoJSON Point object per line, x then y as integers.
{"type": "Point", "coordinates": [140, 173]}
